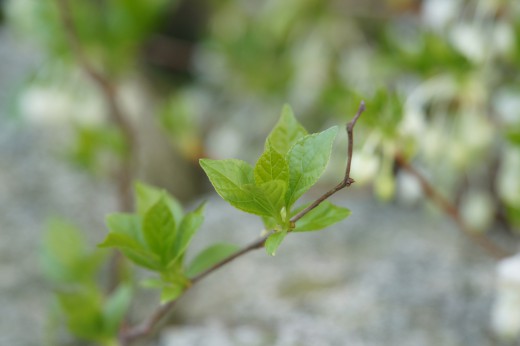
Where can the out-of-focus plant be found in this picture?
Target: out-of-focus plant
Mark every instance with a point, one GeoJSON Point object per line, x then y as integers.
{"type": "Point", "coordinates": [440, 78]}
{"type": "Point", "coordinates": [157, 236]}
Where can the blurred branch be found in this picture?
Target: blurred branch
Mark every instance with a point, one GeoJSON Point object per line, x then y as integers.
{"type": "Point", "coordinates": [452, 211]}
{"type": "Point", "coordinates": [116, 114]}
{"type": "Point", "coordinates": [130, 334]}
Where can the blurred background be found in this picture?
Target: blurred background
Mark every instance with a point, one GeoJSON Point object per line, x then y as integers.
{"type": "Point", "coordinates": [97, 93]}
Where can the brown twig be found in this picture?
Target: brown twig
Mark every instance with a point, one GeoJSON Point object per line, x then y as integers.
{"type": "Point", "coordinates": [452, 211]}
{"type": "Point", "coordinates": [347, 180]}
{"type": "Point", "coordinates": [129, 335]}
{"type": "Point", "coordinates": [109, 93]}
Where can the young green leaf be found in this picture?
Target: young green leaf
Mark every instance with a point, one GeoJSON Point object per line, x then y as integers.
{"type": "Point", "coordinates": [268, 197]}
{"type": "Point", "coordinates": [233, 180]}
{"type": "Point", "coordinates": [208, 257]}
{"type": "Point", "coordinates": [64, 255]}
{"type": "Point", "coordinates": [323, 216]}
{"type": "Point", "coordinates": [128, 224]}
{"type": "Point", "coordinates": [171, 291]}
{"type": "Point", "coordinates": [115, 308]}
{"type": "Point", "coordinates": [187, 229]}
{"type": "Point", "coordinates": [146, 196]}
{"type": "Point", "coordinates": [271, 166]}
{"type": "Point", "coordinates": [159, 229]}
{"type": "Point", "coordinates": [307, 160]}
{"type": "Point", "coordinates": [273, 242]}
{"type": "Point", "coordinates": [64, 241]}
{"type": "Point", "coordinates": [82, 310]}
{"type": "Point", "coordinates": [286, 132]}
{"type": "Point", "coordinates": [133, 250]}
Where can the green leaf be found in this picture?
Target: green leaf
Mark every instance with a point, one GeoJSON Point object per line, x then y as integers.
{"type": "Point", "coordinates": [115, 308]}
{"type": "Point", "coordinates": [323, 216]}
{"type": "Point", "coordinates": [171, 291]}
{"type": "Point", "coordinates": [152, 283]}
{"type": "Point", "coordinates": [271, 166]}
{"type": "Point", "coordinates": [269, 223]}
{"type": "Point", "coordinates": [64, 241]}
{"type": "Point", "coordinates": [269, 197]}
{"type": "Point", "coordinates": [273, 242]}
{"type": "Point", "coordinates": [128, 224]}
{"type": "Point", "coordinates": [210, 256]}
{"type": "Point", "coordinates": [133, 250]}
{"type": "Point", "coordinates": [307, 160]}
{"type": "Point", "coordinates": [187, 229]}
{"type": "Point", "coordinates": [159, 229]}
{"type": "Point", "coordinates": [233, 180]}
{"type": "Point", "coordinates": [286, 132]}
{"type": "Point", "coordinates": [147, 196]}
{"type": "Point", "coordinates": [82, 309]}
{"type": "Point", "coordinates": [64, 256]}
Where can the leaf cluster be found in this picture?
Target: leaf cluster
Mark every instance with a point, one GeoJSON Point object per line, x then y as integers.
{"type": "Point", "coordinates": [157, 236]}
{"type": "Point", "coordinates": [290, 165]}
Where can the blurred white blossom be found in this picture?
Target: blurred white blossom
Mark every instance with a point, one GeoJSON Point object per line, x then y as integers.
{"type": "Point", "coordinates": [438, 13]}
{"type": "Point", "coordinates": [409, 188]}
{"type": "Point", "coordinates": [506, 310]}
{"type": "Point", "coordinates": [477, 209]}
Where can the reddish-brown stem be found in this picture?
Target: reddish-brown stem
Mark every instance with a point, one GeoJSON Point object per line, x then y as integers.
{"type": "Point", "coordinates": [452, 211]}
{"type": "Point", "coordinates": [347, 180]}
{"type": "Point", "coordinates": [128, 335]}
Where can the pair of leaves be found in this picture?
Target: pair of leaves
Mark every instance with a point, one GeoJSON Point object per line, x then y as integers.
{"type": "Point", "coordinates": [291, 163]}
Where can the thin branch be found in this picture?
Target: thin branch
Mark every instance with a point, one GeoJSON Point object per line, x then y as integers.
{"type": "Point", "coordinates": [258, 244]}
{"type": "Point", "coordinates": [109, 93]}
{"type": "Point", "coordinates": [347, 180]}
{"type": "Point", "coordinates": [452, 211]}
{"type": "Point", "coordinates": [129, 335]}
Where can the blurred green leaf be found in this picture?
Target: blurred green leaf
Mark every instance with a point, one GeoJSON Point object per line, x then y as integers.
{"type": "Point", "coordinates": [65, 258]}
{"type": "Point", "coordinates": [82, 310]}
{"type": "Point", "coordinates": [132, 249]}
{"type": "Point", "coordinates": [171, 291]}
{"type": "Point", "coordinates": [209, 257]}
{"type": "Point", "coordinates": [115, 308]}
{"type": "Point", "coordinates": [513, 135]}
{"type": "Point", "coordinates": [127, 224]}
